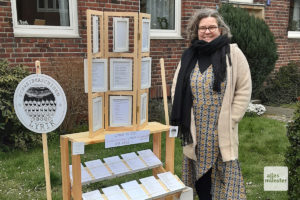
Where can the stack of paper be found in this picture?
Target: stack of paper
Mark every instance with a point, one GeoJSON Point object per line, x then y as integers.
{"type": "Point", "coordinates": [93, 195]}
{"type": "Point", "coordinates": [170, 181]}
{"type": "Point", "coordinates": [98, 169]}
{"type": "Point", "coordinates": [134, 162]}
{"type": "Point", "coordinates": [114, 193]}
{"type": "Point", "coordinates": [134, 190]}
{"type": "Point", "coordinates": [150, 158]}
{"type": "Point", "coordinates": [116, 165]}
{"type": "Point", "coordinates": [85, 177]}
{"type": "Point", "coordinates": [153, 186]}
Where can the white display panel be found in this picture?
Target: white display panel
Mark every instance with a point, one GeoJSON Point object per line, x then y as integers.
{"type": "Point", "coordinates": [120, 34]}
{"type": "Point", "coordinates": [99, 75]}
{"type": "Point", "coordinates": [97, 113]}
{"type": "Point", "coordinates": [146, 73]}
{"type": "Point", "coordinates": [120, 111]}
{"type": "Point", "coordinates": [143, 106]}
{"type": "Point", "coordinates": [120, 74]}
{"type": "Point", "coordinates": [145, 35]}
{"type": "Point", "coordinates": [95, 34]}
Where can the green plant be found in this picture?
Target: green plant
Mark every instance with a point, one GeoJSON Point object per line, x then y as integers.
{"type": "Point", "coordinates": [284, 87]}
{"type": "Point", "coordinates": [292, 157]}
{"type": "Point", "coordinates": [255, 39]}
{"type": "Point", "coordinates": [12, 133]}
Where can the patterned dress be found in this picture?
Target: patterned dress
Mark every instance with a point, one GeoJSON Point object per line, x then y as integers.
{"type": "Point", "coordinates": [226, 177]}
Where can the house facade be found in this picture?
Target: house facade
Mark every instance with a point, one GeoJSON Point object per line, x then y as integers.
{"type": "Point", "coordinates": [55, 30]}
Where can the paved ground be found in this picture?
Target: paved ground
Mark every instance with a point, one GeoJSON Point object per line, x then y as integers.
{"type": "Point", "coordinates": [279, 113]}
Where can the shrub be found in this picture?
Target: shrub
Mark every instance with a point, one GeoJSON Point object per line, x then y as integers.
{"type": "Point", "coordinates": [283, 87]}
{"type": "Point", "coordinates": [255, 39]}
{"type": "Point", "coordinates": [12, 133]}
{"type": "Point", "coordinates": [292, 156]}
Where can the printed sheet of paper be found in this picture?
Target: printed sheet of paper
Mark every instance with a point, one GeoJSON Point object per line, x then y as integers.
{"type": "Point", "coordinates": [121, 34]}
{"type": "Point", "coordinates": [114, 193]}
{"type": "Point", "coordinates": [120, 74]}
{"type": "Point", "coordinates": [149, 157]}
{"type": "Point", "coordinates": [146, 35]}
{"type": "Point", "coordinates": [133, 161]}
{"type": "Point", "coordinates": [127, 138]}
{"type": "Point", "coordinates": [170, 181]}
{"type": "Point", "coordinates": [99, 75]}
{"type": "Point", "coordinates": [97, 113]}
{"type": "Point", "coordinates": [93, 195]}
{"type": "Point", "coordinates": [120, 111]}
{"type": "Point", "coordinates": [146, 73]}
{"type": "Point", "coordinates": [153, 186]}
{"type": "Point", "coordinates": [85, 177]}
{"type": "Point", "coordinates": [116, 165]}
{"type": "Point", "coordinates": [143, 110]}
{"type": "Point", "coordinates": [98, 169]}
{"type": "Point", "coordinates": [95, 34]}
{"type": "Point", "coordinates": [134, 190]}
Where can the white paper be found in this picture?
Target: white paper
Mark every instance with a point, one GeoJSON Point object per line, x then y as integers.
{"type": "Point", "coordinates": [98, 169]}
{"type": "Point", "coordinates": [114, 193]}
{"type": "Point", "coordinates": [143, 110]}
{"type": "Point", "coordinates": [133, 161]}
{"type": "Point", "coordinates": [99, 75]}
{"type": "Point", "coordinates": [120, 111]}
{"type": "Point", "coordinates": [93, 195]}
{"type": "Point", "coordinates": [120, 74]}
{"type": "Point", "coordinates": [95, 34]}
{"type": "Point", "coordinates": [121, 34]}
{"type": "Point", "coordinates": [146, 73]}
{"type": "Point", "coordinates": [126, 138]}
{"type": "Point", "coordinates": [116, 165]}
{"type": "Point", "coordinates": [77, 148]}
{"type": "Point", "coordinates": [153, 186]}
{"type": "Point", "coordinates": [173, 131]}
{"type": "Point", "coordinates": [134, 190]}
{"type": "Point", "coordinates": [146, 35]}
{"type": "Point", "coordinates": [97, 113]}
{"type": "Point", "coordinates": [170, 181]}
{"type": "Point", "coordinates": [149, 157]}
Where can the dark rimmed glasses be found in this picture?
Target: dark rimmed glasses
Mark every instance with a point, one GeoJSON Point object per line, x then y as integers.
{"type": "Point", "coordinates": [211, 29]}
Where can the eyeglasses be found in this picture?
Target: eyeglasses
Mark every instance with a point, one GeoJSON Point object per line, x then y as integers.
{"type": "Point", "coordinates": [211, 29]}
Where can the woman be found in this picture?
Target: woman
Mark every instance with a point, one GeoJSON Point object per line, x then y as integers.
{"type": "Point", "coordinates": [211, 91]}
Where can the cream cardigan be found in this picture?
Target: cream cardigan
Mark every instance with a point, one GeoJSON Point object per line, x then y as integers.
{"type": "Point", "coordinates": [235, 101]}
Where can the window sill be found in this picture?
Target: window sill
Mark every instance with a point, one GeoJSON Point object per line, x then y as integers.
{"type": "Point", "coordinates": [294, 34]}
{"type": "Point", "coordinates": [165, 34]}
{"type": "Point", "coordinates": [45, 32]}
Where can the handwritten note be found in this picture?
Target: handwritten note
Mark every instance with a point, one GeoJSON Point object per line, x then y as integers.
{"type": "Point", "coordinates": [127, 138]}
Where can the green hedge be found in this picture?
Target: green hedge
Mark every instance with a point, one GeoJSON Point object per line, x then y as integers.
{"type": "Point", "coordinates": [255, 39]}
{"type": "Point", "coordinates": [292, 157]}
{"type": "Point", "coordinates": [283, 87]}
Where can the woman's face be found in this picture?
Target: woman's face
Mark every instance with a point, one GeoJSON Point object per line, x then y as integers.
{"type": "Point", "coordinates": [208, 29]}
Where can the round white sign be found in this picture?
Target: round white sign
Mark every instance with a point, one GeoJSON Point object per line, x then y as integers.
{"type": "Point", "coordinates": [40, 103]}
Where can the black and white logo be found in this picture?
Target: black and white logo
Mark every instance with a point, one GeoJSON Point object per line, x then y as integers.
{"type": "Point", "coordinates": [40, 103]}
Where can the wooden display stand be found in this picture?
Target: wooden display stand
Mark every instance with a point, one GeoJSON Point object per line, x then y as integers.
{"type": "Point", "coordinates": [74, 188]}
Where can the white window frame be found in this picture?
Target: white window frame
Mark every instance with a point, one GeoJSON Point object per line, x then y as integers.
{"type": "Point", "coordinates": [170, 34]}
{"type": "Point", "coordinates": [47, 31]}
{"type": "Point", "coordinates": [294, 34]}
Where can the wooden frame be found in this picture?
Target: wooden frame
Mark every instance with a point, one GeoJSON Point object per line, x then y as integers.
{"type": "Point", "coordinates": [119, 73]}
{"type": "Point", "coordinates": [102, 72]}
{"type": "Point", "coordinates": [120, 34]}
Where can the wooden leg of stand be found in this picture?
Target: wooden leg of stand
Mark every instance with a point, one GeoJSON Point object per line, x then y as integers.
{"type": "Point", "coordinates": [65, 173]}
{"type": "Point", "coordinates": [156, 148]}
{"type": "Point", "coordinates": [170, 153]}
{"type": "Point", "coordinates": [46, 166]}
{"type": "Point", "coordinates": [76, 172]}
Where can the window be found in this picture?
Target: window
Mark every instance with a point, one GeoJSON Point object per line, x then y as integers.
{"type": "Point", "coordinates": [45, 18]}
{"type": "Point", "coordinates": [294, 22]}
{"type": "Point", "coordinates": [165, 18]}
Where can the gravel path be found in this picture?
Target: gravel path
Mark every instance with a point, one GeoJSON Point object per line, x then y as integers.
{"type": "Point", "coordinates": [279, 113]}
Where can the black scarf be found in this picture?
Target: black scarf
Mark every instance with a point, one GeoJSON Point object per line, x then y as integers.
{"type": "Point", "coordinates": [183, 100]}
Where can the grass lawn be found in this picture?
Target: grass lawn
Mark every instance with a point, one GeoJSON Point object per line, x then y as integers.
{"type": "Point", "coordinates": [262, 143]}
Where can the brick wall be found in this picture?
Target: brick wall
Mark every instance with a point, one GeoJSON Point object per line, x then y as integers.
{"type": "Point", "coordinates": [27, 50]}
